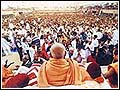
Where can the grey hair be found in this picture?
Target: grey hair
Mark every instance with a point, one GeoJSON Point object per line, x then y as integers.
{"type": "Point", "coordinates": [57, 50]}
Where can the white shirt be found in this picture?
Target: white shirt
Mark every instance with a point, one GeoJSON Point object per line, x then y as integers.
{"type": "Point", "coordinates": [115, 37]}
{"type": "Point", "coordinates": [41, 42]}
{"type": "Point", "coordinates": [22, 69]}
{"type": "Point", "coordinates": [75, 53]}
{"type": "Point", "coordinates": [89, 35]}
{"type": "Point", "coordinates": [27, 26]}
{"type": "Point", "coordinates": [67, 55]}
{"type": "Point", "coordinates": [11, 36]}
{"type": "Point", "coordinates": [74, 44]}
{"type": "Point", "coordinates": [11, 26]}
{"type": "Point", "coordinates": [94, 32]}
{"type": "Point", "coordinates": [29, 39]}
{"type": "Point", "coordinates": [22, 22]}
{"type": "Point", "coordinates": [23, 31]}
{"type": "Point", "coordinates": [99, 35]}
{"type": "Point", "coordinates": [5, 44]}
{"type": "Point", "coordinates": [95, 43]}
{"type": "Point", "coordinates": [46, 46]}
{"type": "Point", "coordinates": [115, 34]}
{"type": "Point", "coordinates": [31, 52]}
{"type": "Point", "coordinates": [25, 46]}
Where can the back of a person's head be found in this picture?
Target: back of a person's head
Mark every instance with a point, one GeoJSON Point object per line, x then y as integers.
{"type": "Point", "coordinates": [92, 54]}
{"type": "Point", "coordinates": [33, 34]}
{"type": "Point", "coordinates": [115, 52]}
{"type": "Point", "coordinates": [94, 70]}
{"type": "Point", "coordinates": [57, 50]}
{"type": "Point", "coordinates": [95, 36]}
{"type": "Point", "coordinates": [24, 39]}
{"type": "Point", "coordinates": [99, 30]}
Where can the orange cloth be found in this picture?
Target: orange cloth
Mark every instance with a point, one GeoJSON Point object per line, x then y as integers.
{"type": "Point", "coordinates": [99, 79]}
{"type": "Point", "coordinates": [43, 53]}
{"type": "Point", "coordinates": [115, 66]}
{"type": "Point", "coordinates": [61, 72]}
{"type": "Point", "coordinates": [6, 73]}
{"type": "Point", "coordinates": [113, 80]}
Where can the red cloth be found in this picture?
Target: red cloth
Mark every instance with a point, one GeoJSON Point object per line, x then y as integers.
{"type": "Point", "coordinates": [94, 70]}
{"type": "Point", "coordinates": [33, 74]}
{"type": "Point", "coordinates": [43, 53]}
{"type": "Point", "coordinates": [17, 81]}
{"type": "Point", "coordinates": [91, 59]}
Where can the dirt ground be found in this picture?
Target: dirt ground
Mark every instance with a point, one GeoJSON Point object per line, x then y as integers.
{"type": "Point", "coordinates": [13, 57]}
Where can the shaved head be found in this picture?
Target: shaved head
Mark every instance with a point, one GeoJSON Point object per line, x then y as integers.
{"type": "Point", "coordinates": [57, 50]}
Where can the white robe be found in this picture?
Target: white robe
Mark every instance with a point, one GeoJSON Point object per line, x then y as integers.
{"type": "Point", "coordinates": [6, 46]}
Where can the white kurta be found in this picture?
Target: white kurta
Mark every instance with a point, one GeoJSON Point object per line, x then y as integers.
{"type": "Point", "coordinates": [73, 44]}
{"type": "Point", "coordinates": [115, 37]}
{"type": "Point", "coordinates": [5, 46]}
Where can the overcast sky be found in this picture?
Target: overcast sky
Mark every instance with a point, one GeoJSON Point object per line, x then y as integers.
{"type": "Point", "coordinates": [48, 4]}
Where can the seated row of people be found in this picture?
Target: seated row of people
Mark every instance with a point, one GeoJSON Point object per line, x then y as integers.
{"type": "Point", "coordinates": [57, 71]}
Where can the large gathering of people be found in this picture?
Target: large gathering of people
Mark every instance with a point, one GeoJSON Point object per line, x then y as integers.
{"type": "Point", "coordinates": [55, 48]}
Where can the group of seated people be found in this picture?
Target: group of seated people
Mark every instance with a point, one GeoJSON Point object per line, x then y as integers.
{"type": "Point", "coordinates": [60, 71]}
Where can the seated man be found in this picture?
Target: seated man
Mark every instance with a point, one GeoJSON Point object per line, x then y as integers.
{"type": "Point", "coordinates": [112, 73]}
{"type": "Point", "coordinates": [59, 71]}
{"type": "Point", "coordinates": [26, 60]}
{"type": "Point", "coordinates": [95, 72]}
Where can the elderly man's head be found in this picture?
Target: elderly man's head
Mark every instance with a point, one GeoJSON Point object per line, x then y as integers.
{"type": "Point", "coordinates": [57, 51]}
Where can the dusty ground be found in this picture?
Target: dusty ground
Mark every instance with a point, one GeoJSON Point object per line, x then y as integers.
{"type": "Point", "coordinates": [14, 57]}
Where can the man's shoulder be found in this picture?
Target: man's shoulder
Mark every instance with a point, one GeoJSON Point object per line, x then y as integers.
{"type": "Point", "coordinates": [72, 60]}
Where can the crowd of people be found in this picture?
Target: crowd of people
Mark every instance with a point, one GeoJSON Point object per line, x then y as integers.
{"type": "Point", "coordinates": [44, 44]}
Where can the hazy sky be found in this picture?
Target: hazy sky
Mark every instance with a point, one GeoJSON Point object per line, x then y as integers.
{"type": "Point", "coordinates": [49, 4]}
